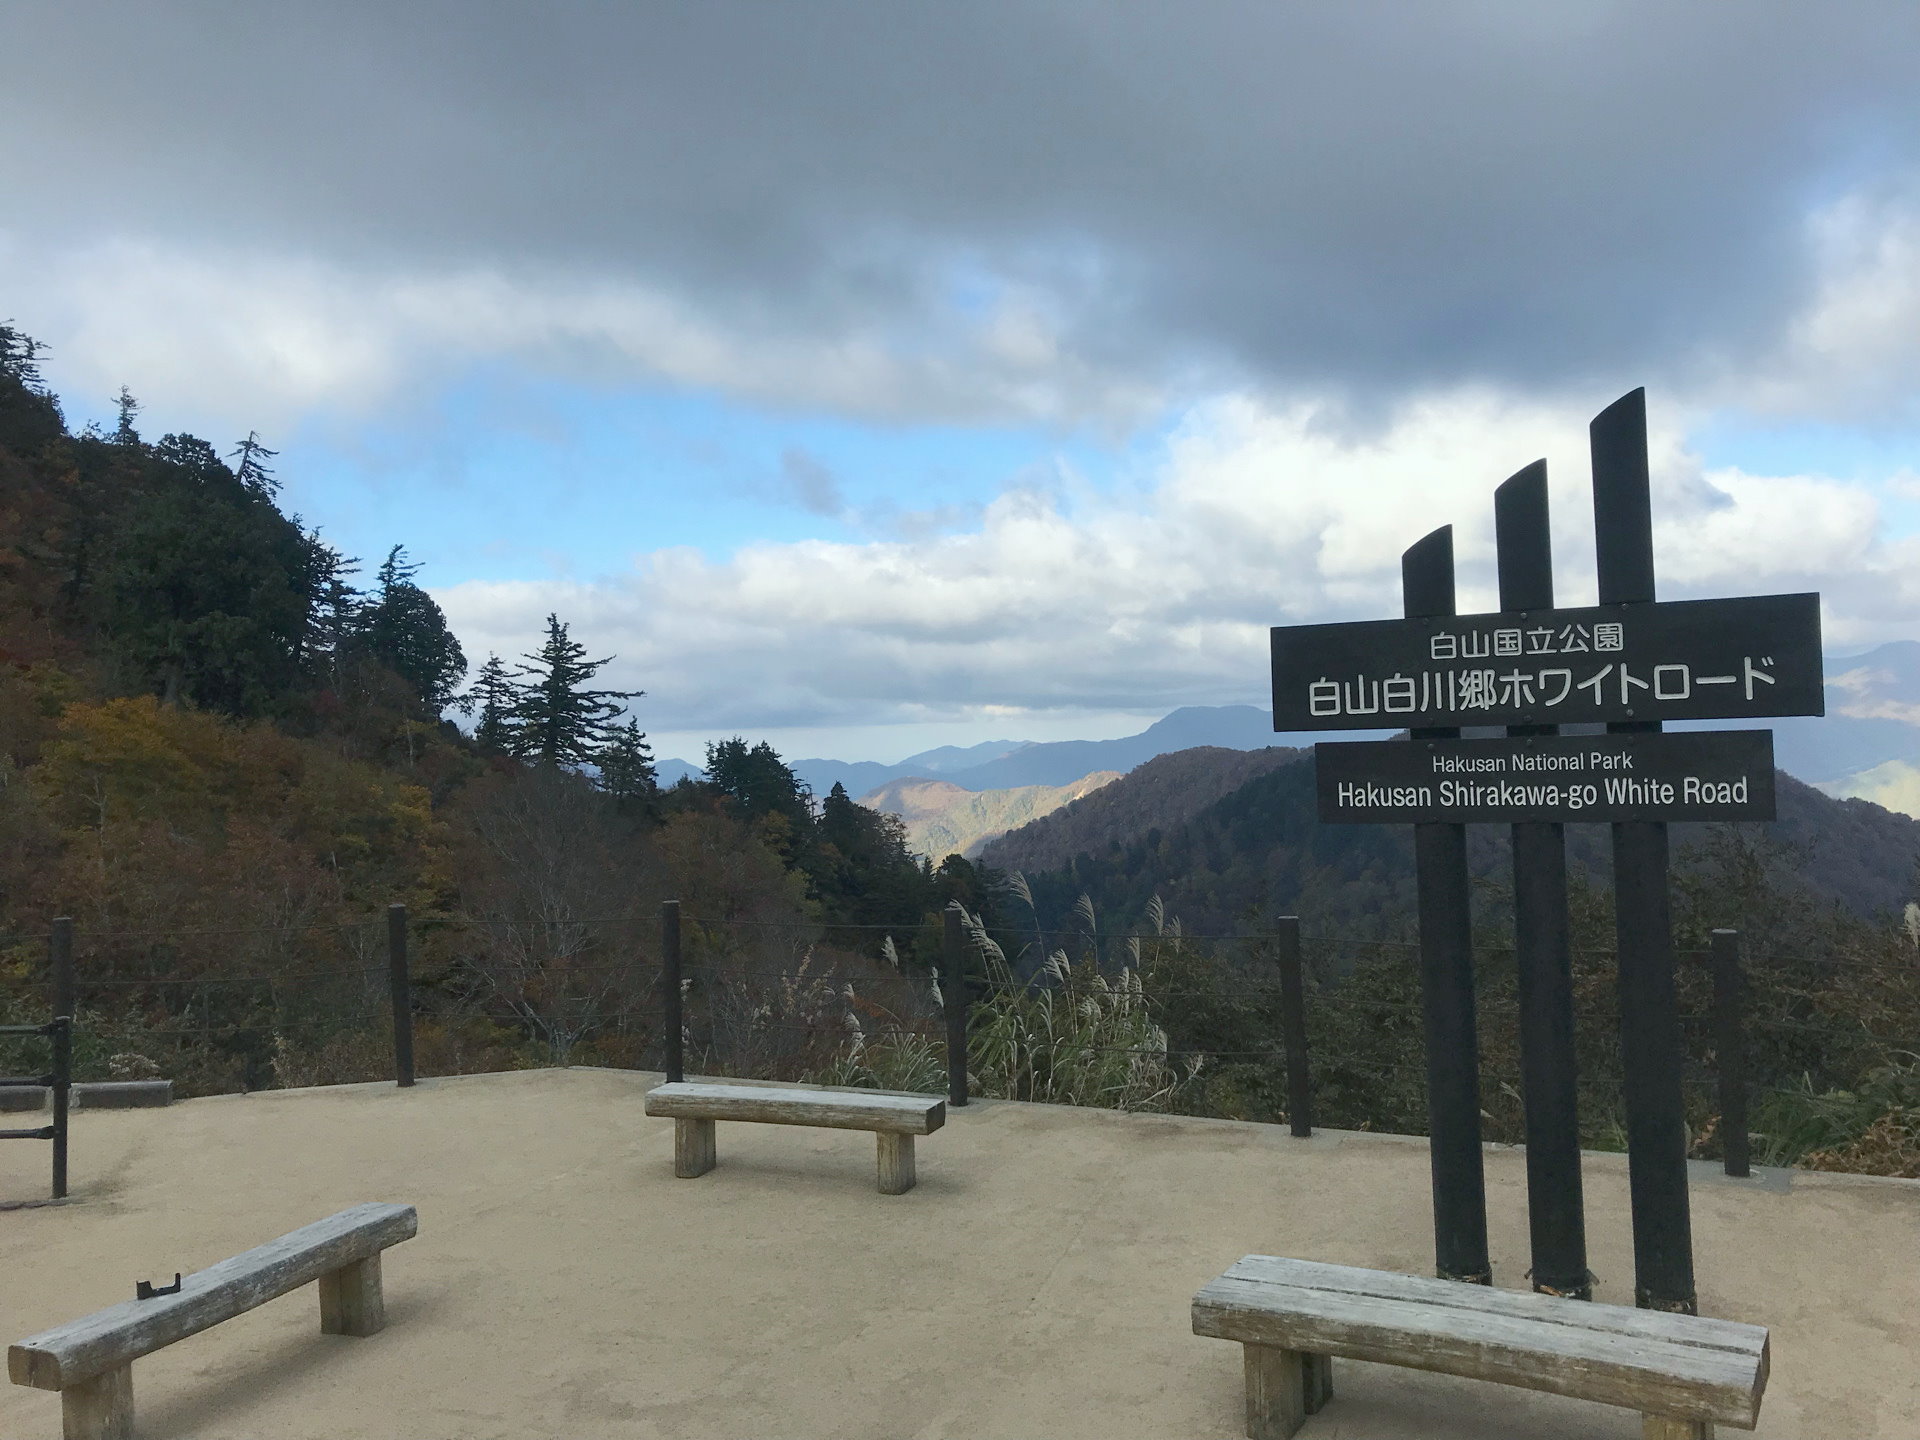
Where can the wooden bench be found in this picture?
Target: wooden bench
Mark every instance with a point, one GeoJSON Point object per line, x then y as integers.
{"type": "Point", "coordinates": [1682, 1372]}
{"type": "Point", "coordinates": [895, 1119]}
{"type": "Point", "coordinates": [90, 1361]}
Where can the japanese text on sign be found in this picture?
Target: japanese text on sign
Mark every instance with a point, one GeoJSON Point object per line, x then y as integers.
{"type": "Point", "coordinates": [1696, 659]}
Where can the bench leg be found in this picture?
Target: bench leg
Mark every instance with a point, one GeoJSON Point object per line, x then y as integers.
{"type": "Point", "coordinates": [1316, 1375]}
{"type": "Point", "coordinates": [1276, 1392]}
{"type": "Point", "coordinates": [693, 1148]}
{"type": "Point", "coordinates": [100, 1408]}
{"type": "Point", "coordinates": [1665, 1427]}
{"type": "Point", "coordinates": [896, 1163]}
{"type": "Point", "coordinates": [350, 1299]}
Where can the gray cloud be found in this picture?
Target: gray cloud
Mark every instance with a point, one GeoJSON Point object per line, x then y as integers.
{"type": "Point", "coordinates": [1360, 199]}
{"type": "Point", "coordinates": [1165, 599]}
{"type": "Point", "coordinates": [810, 484]}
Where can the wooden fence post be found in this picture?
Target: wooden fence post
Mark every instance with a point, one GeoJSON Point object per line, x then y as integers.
{"type": "Point", "coordinates": [1293, 1026]}
{"type": "Point", "coordinates": [1730, 1045]}
{"type": "Point", "coordinates": [402, 986]}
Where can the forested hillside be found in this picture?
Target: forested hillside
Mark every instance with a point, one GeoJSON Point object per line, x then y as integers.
{"type": "Point", "coordinates": [225, 755]}
{"type": "Point", "coordinates": [1224, 837]}
{"type": "Point", "coordinates": [224, 752]}
{"type": "Point", "coordinates": [1165, 792]}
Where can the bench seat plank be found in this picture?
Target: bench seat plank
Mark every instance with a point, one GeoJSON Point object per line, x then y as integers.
{"type": "Point", "coordinates": [831, 1109]}
{"type": "Point", "coordinates": [109, 1339]}
{"type": "Point", "coordinates": [1687, 1367]}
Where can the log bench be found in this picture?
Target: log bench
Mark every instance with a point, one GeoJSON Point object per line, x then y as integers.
{"type": "Point", "coordinates": [1683, 1373]}
{"type": "Point", "coordinates": [90, 1360]}
{"type": "Point", "coordinates": [895, 1119]}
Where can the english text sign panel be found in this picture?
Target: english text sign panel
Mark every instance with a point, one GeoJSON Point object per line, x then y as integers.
{"type": "Point", "coordinates": [1664, 660]}
{"type": "Point", "coordinates": [1696, 775]}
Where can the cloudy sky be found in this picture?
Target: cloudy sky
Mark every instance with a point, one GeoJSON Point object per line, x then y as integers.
{"type": "Point", "coordinates": [876, 376]}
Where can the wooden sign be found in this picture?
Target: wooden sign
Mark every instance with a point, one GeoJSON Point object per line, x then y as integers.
{"type": "Point", "coordinates": [1667, 660]}
{"type": "Point", "coordinates": [1697, 775]}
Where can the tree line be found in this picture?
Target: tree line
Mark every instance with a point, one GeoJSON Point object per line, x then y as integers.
{"type": "Point", "coordinates": [224, 752]}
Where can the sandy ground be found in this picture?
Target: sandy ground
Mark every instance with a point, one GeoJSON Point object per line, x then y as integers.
{"type": "Point", "coordinates": [1035, 1284]}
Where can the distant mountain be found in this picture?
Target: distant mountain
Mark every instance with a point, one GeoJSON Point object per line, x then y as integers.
{"type": "Point", "coordinates": [860, 776]}
{"type": "Point", "coordinates": [1259, 848]}
{"type": "Point", "coordinates": [672, 772]}
{"type": "Point", "coordinates": [942, 819]}
{"type": "Point", "coordinates": [1166, 791]}
{"type": "Point", "coordinates": [1868, 743]}
{"type": "Point", "coordinates": [1894, 785]}
{"type": "Point", "coordinates": [1866, 746]}
{"type": "Point", "coordinates": [1223, 727]}
{"type": "Point", "coordinates": [863, 776]}
{"type": "Point", "coordinates": [1012, 764]}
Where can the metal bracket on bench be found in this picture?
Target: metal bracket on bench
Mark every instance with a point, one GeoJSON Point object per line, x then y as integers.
{"type": "Point", "coordinates": [142, 1290]}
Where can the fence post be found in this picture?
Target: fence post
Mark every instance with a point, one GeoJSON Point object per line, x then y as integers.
{"type": "Point", "coordinates": [61, 1034]}
{"type": "Point", "coordinates": [60, 964]}
{"type": "Point", "coordinates": [674, 1022]}
{"type": "Point", "coordinates": [953, 995]}
{"type": "Point", "coordinates": [1730, 1045]}
{"type": "Point", "coordinates": [402, 994]}
{"type": "Point", "coordinates": [1293, 1026]}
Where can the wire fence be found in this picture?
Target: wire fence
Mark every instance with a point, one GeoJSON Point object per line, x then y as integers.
{"type": "Point", "coordinates": [1143, 1019]}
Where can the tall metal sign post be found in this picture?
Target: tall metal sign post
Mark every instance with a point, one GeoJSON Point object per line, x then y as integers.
{"type": "Point", "coordinates": [1628, 664]}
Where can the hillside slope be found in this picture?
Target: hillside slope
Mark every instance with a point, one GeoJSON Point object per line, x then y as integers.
{"type": "Point", "coordinates": [1256, 847]}
{"type": "Point", "coordinates": [1059, 762]}
{"type": "Point", "coordinates": [1166, 791]}
{"type": "Point", "coordinates": [942, 819]}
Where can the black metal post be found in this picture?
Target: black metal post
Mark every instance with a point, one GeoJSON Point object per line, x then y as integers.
{"type": "Point", "coordinates": [1446, 973]}
{"type": "Point", "coordinates": [953, 998]}
{"type": "Point", "coordinates": [1293, 1026]}
{"type": "Point", "coordinates": [1650, 1049]}
{"type": "Point", "coordinates": [402, 987]}
{"type": "Point", "coordinates": [673, 1020]}
{"type": "Point", "coordinates": [60, 966]}
{"type": "Point", "coordinates": [1543, 943]}
{"type": "Point", "coordinates": [61, 1033]}
{"type": "Point", "coordinates": [1730, 1045]}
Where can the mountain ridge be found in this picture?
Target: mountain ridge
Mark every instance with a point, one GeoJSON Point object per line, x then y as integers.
{"type": "Point", "coordinates": [943, 819]}
{"type": "Point", "coordinates": [1258, 847]}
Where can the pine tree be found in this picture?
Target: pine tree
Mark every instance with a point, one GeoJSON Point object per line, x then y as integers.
{"type": "Point", "coordinates": [124, 433]}
{"type": "Point", "coordinates": [252, 470]}
{"type": "Point", "coordinates": [405, 630]}
{"type": "Point", "coordinates": [626, 764]}
{"type": "Point", "coordinates": [557, 719]}
{"type": "Point", "coordinates": [333, 616]}
{"type": "Point", "coordinates": [19, 358]}
{"type": "Point", "coordinates": [759, 782]}
{"type": "Point", "coordinates": [496, 696]}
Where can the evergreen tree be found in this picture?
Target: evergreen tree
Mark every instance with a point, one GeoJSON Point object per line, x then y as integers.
{"type": "Point", "coordinates": [405, 630]}
{"type": "Point", "coordinates": [252, 469]}
{"type": "Point", "coordinates": [626, 764]}
{"type": "Point", "coordinates": [496, 697]}
{"type": "Point", "coordinates": [840, 820]}
{"type": "Point", "coordinates": [556, 718]}
{"type": "Point", "coordinates": [193, 458]}
{"type": "Point", "coordinates": [333, 616]}
{"type": "Point", "coordinates": [759, 782]}
{"type": "Point", "coordinates": [124, 433]}
{"type": "Point", "coordinates": [19, 358]}
{"type": "Point", "coordinates": [203, 584]}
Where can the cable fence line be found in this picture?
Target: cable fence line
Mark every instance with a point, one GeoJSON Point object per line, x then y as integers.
{"type": "Point", "coordinates": [1271, 1024]}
